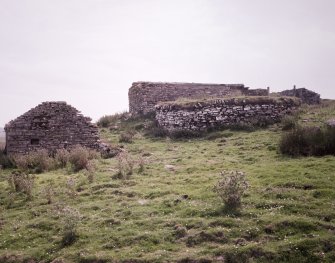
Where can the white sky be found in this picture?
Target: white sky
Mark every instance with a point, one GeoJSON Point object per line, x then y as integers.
{"type": "Point", "coordinates": [88, 52]}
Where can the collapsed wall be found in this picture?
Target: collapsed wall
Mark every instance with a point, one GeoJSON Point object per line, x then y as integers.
{"type": "Point", "coordinates": [306, 96]}
{"type": "Point", "coordinates": [143, 96]}
{"type": "Point", "coordinates": [201, 115]}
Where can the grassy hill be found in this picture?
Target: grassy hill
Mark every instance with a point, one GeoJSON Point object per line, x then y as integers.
{"type": "Point", "coordinates": [168, 212]}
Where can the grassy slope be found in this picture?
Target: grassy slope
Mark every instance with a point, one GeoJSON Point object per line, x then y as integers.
{"type": "Point", "coordinates": [288, 213]}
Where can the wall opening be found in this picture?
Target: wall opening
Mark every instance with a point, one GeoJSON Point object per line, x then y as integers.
{"type": "Point", "coordinates": [35, 141]}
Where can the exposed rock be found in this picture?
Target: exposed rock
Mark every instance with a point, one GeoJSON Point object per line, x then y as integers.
{"type": "Point", "coordinates": [331, 122]}
{"type": "Point", "coordinates": [170, 167]}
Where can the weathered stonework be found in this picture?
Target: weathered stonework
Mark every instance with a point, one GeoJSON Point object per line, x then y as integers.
{"type": "Point", "coordinates": [143, 96]}
{"type": "Point", "coordinates": [51, 126]}
{"type": "Point", "coordinates": [306, 96]}
{"type": "Point", "coordinates": [197, 116]}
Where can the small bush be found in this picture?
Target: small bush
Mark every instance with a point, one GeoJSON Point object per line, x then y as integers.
{"type": "Point", "coordinates": [125, 165]}
{"type": "Point", "coordinates": [62, 157]}
{"type": "Point", "coordinates": [70, 218]}
{"type": "Point", "coordinates": [154, 130]}
{"type": "Point", "coordinates": [141, 164]}
{"type": "Point", "coordinates": [289, 122]}
{"type": "Point", "coordinates": [231, 188]}
{"type": "Point", "coordinates": [79, 157]}
{"type": "Point", "coordinates": [126, 137]}
{"type": "Point", "coordinates": [108, 120]}
{"type": "Point", "coordinates": [49, 192]}
{"type": "Point", "coordinates": [90, 171]}
{"type": "Point", "coordinates": [71, 187]}
{"type": "Point", "coordinates": [308, 141]}
{"type": "Point", "coordinates": [34, 162]}
{"type": "Point", "coordinates": [23, 183]}
{"type": "Point", "coordinates": [5, 161]}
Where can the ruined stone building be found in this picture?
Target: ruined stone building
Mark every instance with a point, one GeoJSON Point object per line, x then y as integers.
{"type": "Point", "coordinates": [51, 126]}
{"type": "Point", "coordinates": [213, 105]}
{"type": "Point", "coordinates": [143, 96]}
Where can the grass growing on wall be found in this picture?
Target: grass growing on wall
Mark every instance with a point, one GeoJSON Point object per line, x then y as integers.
{"type": "Point", "coordinates": [167, 209]}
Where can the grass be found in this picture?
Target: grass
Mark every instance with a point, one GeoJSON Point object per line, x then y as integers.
{"type": "Point", "coordinates": [164, 215]}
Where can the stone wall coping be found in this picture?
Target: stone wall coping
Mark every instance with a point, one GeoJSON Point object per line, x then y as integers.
{"type": "Point", "coordinates": [237, 101]}
{"type": "Point", "coordinates": [186, 83]}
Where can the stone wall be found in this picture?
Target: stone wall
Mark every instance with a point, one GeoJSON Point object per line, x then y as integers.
{"type": "Point", "coordinates": [306, 96]}
{"type": "Point", "coordinates": [199, 116]}
{"type": "Point", "coordinates": [143, 96]}
{"type": "Point", "coordinates": [51, 126]}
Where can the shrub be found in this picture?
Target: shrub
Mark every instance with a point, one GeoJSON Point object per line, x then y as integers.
{"type": "Point", "coordinates": [90, 171]}
{"type": "Point", "coordinates": [154, 130]}
{"type": "Point", "coordinates": [141, 164]}
{"type": "Point", "coordinates": [71, 187]}
{"type": "Point", "coordinates": [308, 141]}
{"type": "Point", "coordinates": [20, 182]}
{"type": "Point", "coordinates": [35, 162]}
{"type": "Point", "coordinates": [108, 120]}
{"type": "Point", "coordinates": [126, 137]}
{"type": "Point", "coordinates": [62, 157]}
{"type": "Point", "coordinates": [70, 218]}
{"type": "Point", "coordinates": [5, 161]}
{"type": "Point", "coordinates": [49, 192]}
{"type": "Point", "coordinates": [79, 157]}
{"type": "Point", "coordinates": [231, 188]}
{"type": "Point", "coordinates": [125, 165]}
{"type": "Point", "coordinates": [289, 122]}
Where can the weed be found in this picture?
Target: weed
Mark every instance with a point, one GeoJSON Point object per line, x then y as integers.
{"type": "Point", "coordinates": [62, 157]}
{"type": "Point", "coordinates": [35, 162]}
{"type": "Point", "coordinates": [90, 171]}
{"type": "Point", "coordinates": [125, 165]}
{"type": "Point", "coordinates": [231, 188]}
{"type": "Point", "coordinates": [289, 122]}
{"type": "Point", "coordinates": [70, 218]}
{"type": "Point", "coordinates": [141, 164]}
{"type": "Point", "coordinates": [20, 182]}
{"type": "Point", "coordinates": [127, 137]}
{"type": "Point", "coordinates": [49, 192]}
{"type": "Point", "coordinates": [78, 158]}
{"type": "Point", "coordinates": [5, 161]}
{"type": "Point", "coordinates": [71, 187]}
{"type": "Point", "coordinates": [308, 141]}
{"type": "Point", "coordinates": [108, 120]}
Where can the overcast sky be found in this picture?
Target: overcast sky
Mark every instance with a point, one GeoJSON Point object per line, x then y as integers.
{"type": "Point", "coordinates": [88, 52]}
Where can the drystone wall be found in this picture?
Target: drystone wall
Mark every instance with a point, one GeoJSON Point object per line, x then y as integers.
{"type": "Point", "coordinates": [197, 116]}
{"type": "Point", "coordinates": [51, 126]}
{"type": "Point", "coordinates": [306, 96]}
{"type": "Point", "coordinates": [143, 96]}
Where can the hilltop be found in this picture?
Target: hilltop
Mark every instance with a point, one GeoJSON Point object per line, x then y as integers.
{"type": "Point", "coordinates": [166, 211]}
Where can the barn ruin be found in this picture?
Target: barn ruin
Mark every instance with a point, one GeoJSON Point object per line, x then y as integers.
{"type": "Point", "coordinates": [51, 126]}
{"type": "Point", "coordinates": [143, 96]}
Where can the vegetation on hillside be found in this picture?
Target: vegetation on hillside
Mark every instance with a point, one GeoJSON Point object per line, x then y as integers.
{"type": "Point", "coordinates": [155, 203]}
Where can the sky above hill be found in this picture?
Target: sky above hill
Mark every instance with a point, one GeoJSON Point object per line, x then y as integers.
{"type": "Point", "coordinates": [88, 52]}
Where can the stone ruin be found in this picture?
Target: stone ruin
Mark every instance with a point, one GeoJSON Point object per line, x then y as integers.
{"type": "Point", "coordinates": [306, 96]}
{"type": "Point", "coordinates": [143, 96]}
{"type": "Point", "coordinates": [201, 115]}
{"type": "Point", "coordinates": [51, 126]}
{"type": "Point", "coordinates": [214, 104]}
